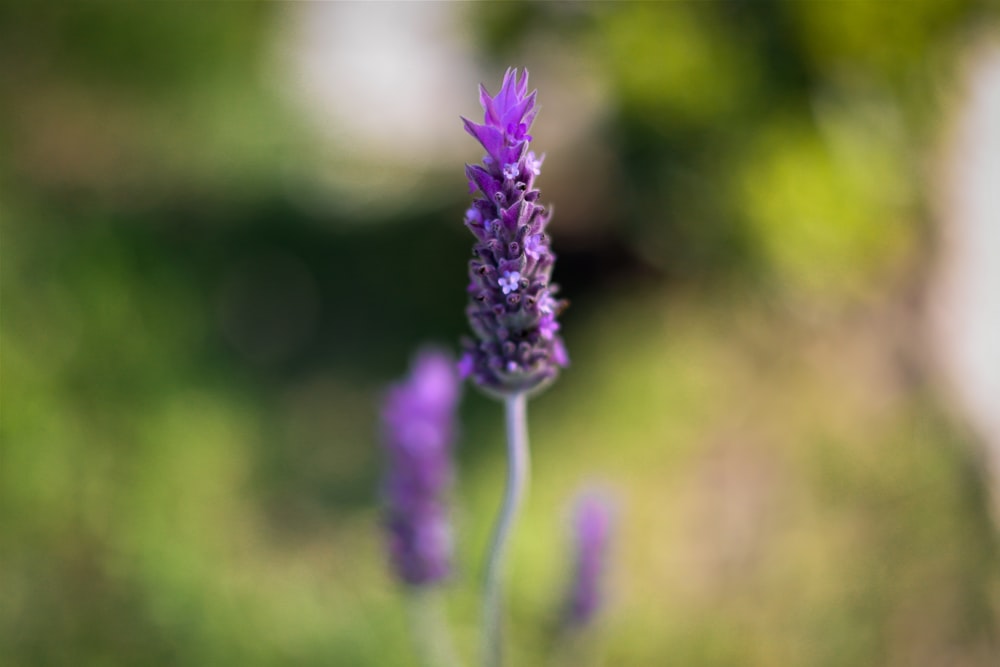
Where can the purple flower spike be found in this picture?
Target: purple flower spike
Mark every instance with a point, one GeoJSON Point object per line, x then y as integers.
{"type": "Point", "coordinates": [418, 420]}
{"type": "Point", "coordinates": [511, 307]}
{"type": "Point", "coordinates": [592, 527]}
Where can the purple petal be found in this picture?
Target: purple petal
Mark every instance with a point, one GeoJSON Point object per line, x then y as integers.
{"type": "Point", "coordinates": [490, 137]}
{"type": "Point", "coordinates": [511, 215]}
{"type": "Point", "coordinates": [508, 92]}
{"type": "Point", "coordinates": [516, 112]}
{"type": "Point", "coordinates": [559, 354]}
{"type": "Point", "coordinates": [529, 116]}
{"type": "Point", "coordinates": [490, 115]}
{"type": "Point", "coordinates": [483, 179]}
{"type": "Point", "coordinates": [522, 88]}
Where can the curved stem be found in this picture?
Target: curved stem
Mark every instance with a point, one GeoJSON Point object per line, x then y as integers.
{"type": "Point", "coordinates": [518, 473]}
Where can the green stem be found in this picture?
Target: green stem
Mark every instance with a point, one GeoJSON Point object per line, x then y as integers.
{"type": "Point", "coordinates": [518, 473]}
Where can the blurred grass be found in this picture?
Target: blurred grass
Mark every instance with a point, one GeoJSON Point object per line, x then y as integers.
{"type": "Point", "coordinates": [810, 522]}
{"type": "Point", "coordinates": [191, 357]}
{"type": "Point", "coordinates": [832, 519]}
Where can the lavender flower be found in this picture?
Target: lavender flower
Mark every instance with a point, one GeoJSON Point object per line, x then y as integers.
{"type": "Point", "coordinates": [418, 419]}
{"type": "Point", "coordinates": [512, 308]}
{"type": "Point", "coordinates": [592, 525]}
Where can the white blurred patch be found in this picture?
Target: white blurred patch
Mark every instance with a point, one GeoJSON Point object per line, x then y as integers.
{"type": "Point", "coordinates": [965, 299]}
{"type": "Point", "coordinates": [382, 85]}
{"type": "Point", "coordinates": [386, 81]}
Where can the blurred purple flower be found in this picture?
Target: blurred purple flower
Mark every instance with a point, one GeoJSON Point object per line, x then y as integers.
{"type": "Point", "coordinates": [511, 309]}
{"type": "Point", "coordinates": [418, 420]}
{"type": "Point", "coordinates": [591, 528]}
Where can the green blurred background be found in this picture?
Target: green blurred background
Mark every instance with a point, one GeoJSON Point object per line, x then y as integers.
{"type": "Point", "coordinates": [225, 226]}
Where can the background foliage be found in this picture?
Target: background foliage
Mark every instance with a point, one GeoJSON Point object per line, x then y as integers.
{"type": "Point", "coordinates": [203, 291]}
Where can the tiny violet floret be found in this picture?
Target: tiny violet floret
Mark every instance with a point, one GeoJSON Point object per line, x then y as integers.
{"type": "Point", "coordinates": [533, 246]}
{"type": "Point", "coordinates": [418, 424]}
{"type": "Point", "coordinates": [512, 310]}
{"type": "Point", "coordinates": [509, 281]}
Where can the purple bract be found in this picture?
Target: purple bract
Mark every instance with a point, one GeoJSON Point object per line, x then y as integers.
{"type": "Point", "coordinates": [512, 308]}
{"type": "Point", "coordinates": [418, 420]}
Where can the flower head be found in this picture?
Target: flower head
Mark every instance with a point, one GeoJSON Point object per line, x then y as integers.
{"type": "Point", "coordinates": [511, 309]}
{"type": "Point", "coordinates": [592, 527]}
{"type": "Point", "coordinates": [418, 420]}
